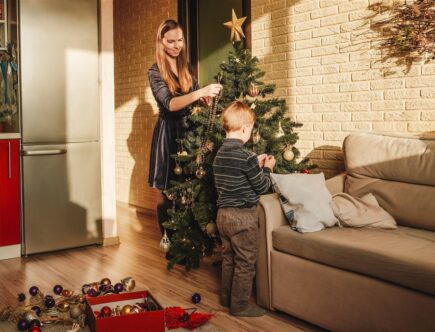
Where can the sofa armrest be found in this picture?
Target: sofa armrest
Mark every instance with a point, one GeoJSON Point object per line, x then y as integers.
{"type": "Point", "coordinates": [335, 184]}
{"type": "Point", "coordinates": [270, 216]}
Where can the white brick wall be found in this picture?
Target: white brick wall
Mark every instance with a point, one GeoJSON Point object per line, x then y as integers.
{"type": "Point", "coordinates": [135, 27]}
{"type": "Point", "coordinates": [339, 83]}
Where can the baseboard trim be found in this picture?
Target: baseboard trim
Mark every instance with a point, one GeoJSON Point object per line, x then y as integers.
{"type": "Point", "coordinates": [12, 251]}
{"type": "Point", "coordinates": [111, 241]}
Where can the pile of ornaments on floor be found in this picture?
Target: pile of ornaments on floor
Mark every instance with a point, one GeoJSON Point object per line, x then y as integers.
{"type": "Point", "coordinates": [65, 307]}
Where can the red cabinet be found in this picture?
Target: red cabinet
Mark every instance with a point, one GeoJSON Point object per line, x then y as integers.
{"type": "Point", "coordinates": [9, 192]}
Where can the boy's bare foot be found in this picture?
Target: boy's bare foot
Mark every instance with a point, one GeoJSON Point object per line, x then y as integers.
{"type": "Point", "coordinates": [251, 311]}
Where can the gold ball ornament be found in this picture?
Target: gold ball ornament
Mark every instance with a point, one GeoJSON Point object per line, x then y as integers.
{"type": "Point", "coordinates": [182, 153]}
{"type": "Point", "coordinates": [200, 172]}
{"type": "Point", "coordinates": [63, 306]}
{"type": "Point", "coordinates": [253, 91]}
{"type": "Point", "coordinates": [126, 310]}
{"type": "Point", "coordinates": [178, 170]}
{"type": "Point", "coordinates": [67, 293]}
{"type": "Point", "coordinates": [183, 200]}
{"type": "Point", "coordinates": [196, 110]}
{"type": "Point", "coordinates": [211, 229]}
{"type": "Point", "coordinates": [288, 154]}
{"type": "Point", "coordinates": [128, 283]}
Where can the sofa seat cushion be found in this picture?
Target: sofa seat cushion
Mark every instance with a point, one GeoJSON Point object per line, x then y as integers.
{"type": "Point", "coordinates": [405, 256]}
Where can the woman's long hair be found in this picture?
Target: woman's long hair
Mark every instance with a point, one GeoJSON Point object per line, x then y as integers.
{"type": "Point", "coordinates": [184, 78]}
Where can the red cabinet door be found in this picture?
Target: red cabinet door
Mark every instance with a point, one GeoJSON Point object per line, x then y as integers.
{"type": "Point", "coordinates": [9, 192]}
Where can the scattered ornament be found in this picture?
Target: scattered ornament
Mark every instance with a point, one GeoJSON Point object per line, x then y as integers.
{"type": "Point", "coordinates": [21, 297]}
{"type": "Point", "coordinates": [30, 315]}
{"type": "Point", "coordinates": [57, 289]}
{"type": "Point", "coordinates": [196, 298]}
{"type": "Point", "coordinates": [63, 306]}
{"type": "Point", "coordinates": [105, 281]}
{"type": "Point", "coordinates": [75, 311]}
{"type": "Point", "coordinates": [67, 293]}
{"type": "Point", "coordinates": [35, 322]}
{"type": "Point", "coordinates": [35, 329]}
{"type": "Point", "coordinates": [33, 290]}
{"type": "Point", "coordinates": [23, 325]}
{"type": "Point", "coordinates": [36, 310]}
{"type": "Point", "coordinates": [92, 292]}
{"type": "Point", "coordinates": [49, 302]}
{"type": "Point", "coordinates": [126, 310]}
{"type": "Point", "coordinates": [128, 283]}
{"type": "Point", "coordinates": [119, 287]}
{"type": "Point", "coordinates": [165, 243]}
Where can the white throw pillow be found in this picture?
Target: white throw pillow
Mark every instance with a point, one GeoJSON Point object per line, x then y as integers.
{"type": "Point", "coordinates": [309, 198]}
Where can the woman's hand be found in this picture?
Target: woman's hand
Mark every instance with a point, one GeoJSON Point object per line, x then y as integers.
{"type": "Point", "coordinates": [211, 90]}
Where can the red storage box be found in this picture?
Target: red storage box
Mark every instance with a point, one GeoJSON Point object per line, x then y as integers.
{"type": "Point", "coordinates": [152, 321]}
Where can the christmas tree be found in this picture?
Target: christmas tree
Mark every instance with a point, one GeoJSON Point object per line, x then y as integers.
{"type": "Point", "coordinates": [192, 223]}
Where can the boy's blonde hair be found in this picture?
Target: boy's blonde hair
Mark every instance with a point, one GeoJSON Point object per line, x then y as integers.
{"type": "Point", "coordinates": [236, 115]}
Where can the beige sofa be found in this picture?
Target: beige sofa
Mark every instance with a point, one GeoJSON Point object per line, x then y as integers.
{"type": "Point", "coordinates": [346, 279]}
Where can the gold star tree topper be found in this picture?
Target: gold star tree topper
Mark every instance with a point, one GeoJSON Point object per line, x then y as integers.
{"type": "Point", "coordinates": [236, 27]}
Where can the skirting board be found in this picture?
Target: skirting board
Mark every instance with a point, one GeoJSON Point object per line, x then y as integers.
{"type": "Point", "coordinates": [12, 251]}
{"type": "Point", "coordinates": [111, 241]}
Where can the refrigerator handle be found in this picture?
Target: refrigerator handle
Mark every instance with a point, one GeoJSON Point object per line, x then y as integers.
{"type": "Point", "coordinates": [9, 161]}
{"type": "Point", "coordinates": [43, 152]}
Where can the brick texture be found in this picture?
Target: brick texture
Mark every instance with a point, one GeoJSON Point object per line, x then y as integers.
{"type": "Point", "coordinates": [135, 27]}
{"type": "Point", "coordinates": [340, 86]}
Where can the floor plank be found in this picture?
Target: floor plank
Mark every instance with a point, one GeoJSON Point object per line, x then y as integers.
{"type": "Point", "coordinates": [138, 256]}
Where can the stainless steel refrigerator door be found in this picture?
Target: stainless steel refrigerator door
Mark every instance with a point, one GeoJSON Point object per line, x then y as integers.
{"type": "Point", "coordinates": [59, 70]}
{"type": "Point", "coordinates": [62, 196]}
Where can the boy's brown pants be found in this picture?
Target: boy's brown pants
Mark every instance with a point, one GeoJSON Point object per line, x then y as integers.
{"type": "Point", "coordinates": [238, 228]}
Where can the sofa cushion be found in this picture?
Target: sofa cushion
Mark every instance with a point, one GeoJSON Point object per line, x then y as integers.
{"type": "Point", "coordinates": [399, 171]}
{"type": "Point", "coordinates": [405, 256]}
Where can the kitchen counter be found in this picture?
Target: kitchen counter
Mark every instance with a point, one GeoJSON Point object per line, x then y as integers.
{"type": "Point", "coordinates": [10, 135]}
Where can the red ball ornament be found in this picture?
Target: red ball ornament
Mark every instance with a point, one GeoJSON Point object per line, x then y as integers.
{"type": "Point", "coordinates": [105, 312]}
{"type": "Point", "coordinates": [97, 314]}
{"type": "Point", "coordinates": [35, 329]}
{"type": "Point", "coordinates": [306, 171]}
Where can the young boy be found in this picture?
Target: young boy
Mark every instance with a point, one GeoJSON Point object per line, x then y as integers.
{"type": "Point", "coordinates": [239, 181]}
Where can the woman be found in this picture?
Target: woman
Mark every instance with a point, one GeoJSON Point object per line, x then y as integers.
{"type": "Point", "coordinates": [175, 90]}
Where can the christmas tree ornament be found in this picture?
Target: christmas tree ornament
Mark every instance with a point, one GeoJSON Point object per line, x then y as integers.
{"type": "Point", "coordinates": [182, 153]}
{"type": "Point", "coordinates": [105, 311]}
{"type": "Point", "coordinates": [34, 329]}
{"type": "Point", "coordinates": [63, 306]}
{"type": "Point", "coordinates": [236, 27]}
{"type": "Point", "coordinates": [97, 314]}
{"type": "Point", "coordinates": [30, 315]}
{"type": "Point", "coordinates": [211, 229]}
{"type": "Point", "coordinates": [119, 287]}
{"type": "Point", "coordinates": [75, 311]}
{"type": "Point", "coordinates": [165, 243]}
{"type": "Point", "coordinates": [33, 290]}
{"type": "Point", "coordinates": [253, 106]}
{"type": "Point", "coordinates": [23, 325]}
{"type": "Point", "coordinates": [280, 132]}
{"type": "Point", "coordinates": [36, 309]}
{"type": "Point", "coordinates": [253, 90]}
{"type": "Point", "coordinates": [306, 171]}
{"type": "Point", "coordinates": [126, 310]}
{"type": "Point", "coordinates": [178, 170]}
{"type": "Point", "coordinates": [21, 297]}
{"type": "Point", "coordinates": [209, 146]}
{"type": "Point", "coordinates": [196, 298]}
{"type": "Point", "coordinates": [49, 302]}
{"type": "Point", "coordinates": [288, 154]}
{"type": "Point", "coordinates": [128, 283]}
{"type": "Point", "coordinates": [200, 172]}
{"type": "Point", "coordinates": [196, 110]}
{"type": "Point", "coordinates": [105, 281]}
{"type": "Point", "coordinates": [35, 322]}
{"type": "Point", "coordinates": [67, 293]}
{"type": "Point", "coordinates": [85, 288]}
{"type": "Point", "coordinates": [256, 137]}
{"type": "Point", "coordinates": [57, 289]}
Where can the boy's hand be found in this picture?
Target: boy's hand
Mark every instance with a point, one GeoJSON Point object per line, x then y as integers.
{"type": "Point", "coordinates": [261, 159]}
{"type": "Point", "coordinates": [270, 162]}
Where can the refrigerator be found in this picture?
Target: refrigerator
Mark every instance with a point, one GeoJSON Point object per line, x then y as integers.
{"type": "Point", "coordinates": [60, 150]}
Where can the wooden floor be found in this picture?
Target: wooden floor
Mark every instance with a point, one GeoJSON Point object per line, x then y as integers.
{"type": "Point", "coordinates": [138, 256]}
